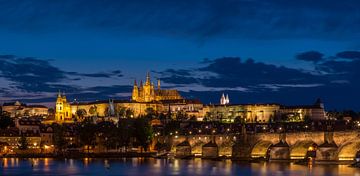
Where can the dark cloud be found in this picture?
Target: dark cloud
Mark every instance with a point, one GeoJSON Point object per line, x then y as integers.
{"type": "Point", "coordinates": [179, 72]}
{"type": "Point", "coordinates": [349, 55]}
{"type": "Point", "coordinates": [100, 75]}
{"type": "Point", "coordinates": [312, 56]}
{"type": "Point", "coordinates": [201, 19]}
{"type": "Point", "coordinates": [111, 90]}
{"type": "Point", "coordinates": [233, 72]}
{"type": "Point", "coordinates": [335, 80]}
{"type": "Point", "coordinates": [30, 73]}
{"type": "Point", "coordinates": [36, 75]}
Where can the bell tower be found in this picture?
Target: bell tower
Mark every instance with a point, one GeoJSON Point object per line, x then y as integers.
{"type": "Point", "coordinates": [135, 93]}
{"type": "Point", "coordinates": [62, 109]}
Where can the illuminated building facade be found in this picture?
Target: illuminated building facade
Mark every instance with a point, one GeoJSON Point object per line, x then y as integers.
{"type": "Point", "coordinates": [148, 93]}
{"type": "Point", "coordinates": [146, 96]}
{"type": "Point", "coordinates": [62, 109]}
{"type": "Point", "coordinates": [18, 109]}
{"type": "Point", "coordinates": [264, 113]}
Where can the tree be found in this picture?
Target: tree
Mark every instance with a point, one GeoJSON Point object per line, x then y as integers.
{"type": "Point", "coordinates": [171, 127]}
{"type": "Point", "coordinates": [51, 111]}
{"type": "Point", "coordinates": [27, 113]}
{"type": "Point", "coordinates": [6, 121]}
{"type": "Point", "coordinates": [121, 111]}
{"type": "Point", "coordinates": [23, 143]}
{"type": "Point", "coordinates": [106, 112]}
{"type": "Point", "coordinates": [81, 113]}
{"type": "Point", "coordinates": [87, 132]}
{"type": "Point", "coordinates": [162, 116]}
{"type": "Point", "coordinates": [239, 120]}
{"type": "Point", "coordinates": [107, 133]}
{"type": "Point", "coordinates": [181, 115]}
{"type": "Point", "coordinates": [59, 138]}
{"type": "Point", "coordinates": [124, 132]}
{"type": "Point", "coordinates": [143, 132]}
{"type": "Point", "coordinates": [150, 112]}
{"type": "Point", "coordinates": [93, 110]}
{"type": "Point", "coordinates": [129, 113]}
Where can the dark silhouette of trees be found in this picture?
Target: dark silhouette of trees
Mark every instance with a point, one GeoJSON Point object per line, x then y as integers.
{"type": "Point", "coordinates": [143, 132]}
{"type": "Point", "coordinates": [124, 132]}
{"type": "Point", "coordinates": [59, 138]}
{"type": "Point", "coordinates": [23, 143]}
{"type": "Point", "coordinates": [87, 134]}
{"type": "Point", "coordinates": [93, 110]}
{"type": "Point", "coordinates": [6, 121]}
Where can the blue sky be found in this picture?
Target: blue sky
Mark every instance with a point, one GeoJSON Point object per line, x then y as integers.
{"type": "Point", "coordinates": [299, 50]}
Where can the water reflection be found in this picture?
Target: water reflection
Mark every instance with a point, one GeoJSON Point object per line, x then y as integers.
{"type": "Point", "coordinates": [150, 166]}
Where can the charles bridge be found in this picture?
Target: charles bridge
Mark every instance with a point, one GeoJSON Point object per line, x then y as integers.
{"type": "Point", "coordinates": [323, 146]}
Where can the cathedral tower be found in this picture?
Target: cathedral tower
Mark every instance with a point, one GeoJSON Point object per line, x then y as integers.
{"type": "Point", "coordinates": [63, 109]}
{"type": "Point", "coordinates": [135, 93]}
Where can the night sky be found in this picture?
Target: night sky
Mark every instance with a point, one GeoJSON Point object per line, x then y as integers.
{"type": "Point", "coordinates": [282, 51]}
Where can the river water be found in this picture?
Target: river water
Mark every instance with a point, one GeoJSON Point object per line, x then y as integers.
{"type": "Point", "coordinates": [154, 167]}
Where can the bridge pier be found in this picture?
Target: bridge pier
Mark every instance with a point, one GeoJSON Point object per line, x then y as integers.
{"type": "Point", "coordinates": [210, 150]}
{"type": "Point", "coordinates": [281, 150]}
{"type": "Point", "coordinates": [183, 149]}
{"type": "Point", "coordinates": [327, 151]}
{"type": "Point", "coordinates": [241, 150]}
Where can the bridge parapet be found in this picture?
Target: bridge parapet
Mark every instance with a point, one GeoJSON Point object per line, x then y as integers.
{"type": "Point", "coordinates": [326, 145]}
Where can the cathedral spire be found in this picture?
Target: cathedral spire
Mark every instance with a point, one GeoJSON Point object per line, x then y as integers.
{"type": "Point", "coordinates": [135, 83]}
{"type": "Point", "coordinates": [148, 81]}
{"type": "Point", "coordinates": [158, 84]}
{"type": "Point", "coordinates": [222, 99]}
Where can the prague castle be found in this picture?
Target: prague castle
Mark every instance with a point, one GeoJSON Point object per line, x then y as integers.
{"type": "Point", "coordinates": [143, 97]}
{"type": "Point", "coordinates": [147, 92]}
{"type": "Point", "coordinates": [147, 96]}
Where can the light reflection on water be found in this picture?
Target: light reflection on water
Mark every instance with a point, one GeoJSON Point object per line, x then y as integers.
{"type": "Point", "coordinates": [153, 167]}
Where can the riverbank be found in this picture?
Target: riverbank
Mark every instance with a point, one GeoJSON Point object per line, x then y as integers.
{"type": "Point", "coordinates": [83, 155]}
{"type": "Point", "coordinates": [153, 155]}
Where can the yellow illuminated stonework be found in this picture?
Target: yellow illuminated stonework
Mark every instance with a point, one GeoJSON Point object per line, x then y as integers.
{"type": "Point", "coordinates": [147, 92]}
{"type": "Point", "coordinates": [63, 109]}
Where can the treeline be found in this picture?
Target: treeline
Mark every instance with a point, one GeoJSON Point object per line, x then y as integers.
{"type": "Point", "coordinates": [339, 115]}
{"type": "Point", "coordinates": [128, 132]}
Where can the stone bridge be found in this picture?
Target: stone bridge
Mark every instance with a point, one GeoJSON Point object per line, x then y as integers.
{"type": "Point", "coordinates": [327, 146]}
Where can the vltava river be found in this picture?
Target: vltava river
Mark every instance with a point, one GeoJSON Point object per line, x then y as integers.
{"type": "Point", "coordinates": [154, 167]}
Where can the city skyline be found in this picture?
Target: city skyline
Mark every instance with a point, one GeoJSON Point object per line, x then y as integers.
{"type": "Point", "coordinates": [299, 51]}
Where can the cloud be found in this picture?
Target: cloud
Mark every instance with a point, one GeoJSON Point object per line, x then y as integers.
{"type": "Point", "coordinates": [196, 19]}
{"type": "Point", "coordinates": [32, 78]}
{"type": "Point", "coordinates": [349, 55]}
{"type": "Point", "coordinates": [334, 79]}
{"type": "Point", "coordinates": [232, 72]}
{"type": "Point", "coordinates": [312, 56]}
{"type": "Point", "coordinates": [101, 75]}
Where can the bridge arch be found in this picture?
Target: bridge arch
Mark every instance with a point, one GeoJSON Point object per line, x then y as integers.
{"type": "Point", "coordinates": [349, 150]}
{"type": "Point", "coordinates": [301, 149]}
{"type": "Point", "coordinates": [261, 149]}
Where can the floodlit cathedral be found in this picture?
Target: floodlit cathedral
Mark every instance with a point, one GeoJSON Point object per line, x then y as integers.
{"type": "Point", "coordinates": [148, 93]}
